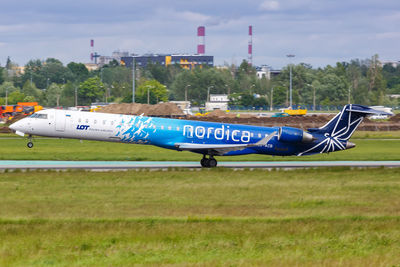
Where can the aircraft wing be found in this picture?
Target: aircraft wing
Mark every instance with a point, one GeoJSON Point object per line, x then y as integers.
{"type": "Point", "coordinates": [220, 149]}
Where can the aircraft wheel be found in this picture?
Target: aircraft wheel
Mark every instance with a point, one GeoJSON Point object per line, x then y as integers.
{"type": "Point", "coordinates": [29, 144]}
{"type": "Point", "coordinates": [204, 162]}
{"type": "Point", "coordinates": [212, 163]}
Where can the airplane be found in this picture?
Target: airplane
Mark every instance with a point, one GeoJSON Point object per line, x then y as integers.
{"type": "Point", "coordinates": [207, 138]}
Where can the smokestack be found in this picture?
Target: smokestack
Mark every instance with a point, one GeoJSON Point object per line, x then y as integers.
{"type": "Point", "coordinates": [250, 47]}
{"type": "Point", "coordinates": [201, 33]}
{"type": "Point", "coordinates": [91, 49]}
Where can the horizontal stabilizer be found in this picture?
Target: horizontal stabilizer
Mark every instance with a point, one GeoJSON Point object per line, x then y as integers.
{"type": "Point", "coordinates": [343, 125]}
{"type": "Point", "coordinates": [369, 111]}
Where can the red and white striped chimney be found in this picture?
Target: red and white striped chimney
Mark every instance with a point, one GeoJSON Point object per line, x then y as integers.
{"type": "Point", "coordinates": [91, 48]}
{"type": "Point", "coordinates": [201, 46]}
{"type": "Point", "coordinates": [250, 47]}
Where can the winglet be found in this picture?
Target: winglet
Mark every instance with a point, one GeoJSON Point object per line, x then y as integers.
{"type": "Point", "coordinates": [265, 140]}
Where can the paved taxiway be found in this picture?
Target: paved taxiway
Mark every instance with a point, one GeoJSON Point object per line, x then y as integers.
{"type": "Point", "coordinates": [91, 165]}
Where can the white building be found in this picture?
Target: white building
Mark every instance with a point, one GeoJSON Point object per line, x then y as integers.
{"type": "Point", "coordinates": [184, 106]}
{"type": "Point", "coordinates": [264, 71]}
{"type": "Point", "coordinates": [217, 102]}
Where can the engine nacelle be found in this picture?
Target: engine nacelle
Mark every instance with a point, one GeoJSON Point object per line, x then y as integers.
{"type": "Point", "coordinates": [294, 135]}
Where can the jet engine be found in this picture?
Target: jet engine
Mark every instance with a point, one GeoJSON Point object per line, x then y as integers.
{"type": "Point", "coordinates": [294, 135]}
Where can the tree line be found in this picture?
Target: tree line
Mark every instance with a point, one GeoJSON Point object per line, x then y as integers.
{"type": "Point", "coordinates": [51, 83]}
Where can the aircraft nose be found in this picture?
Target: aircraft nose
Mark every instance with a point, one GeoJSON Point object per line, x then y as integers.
{"type": "Point", "coordinates": [17, 126]}
{"type": "Point", "coordinates": [13, 126]}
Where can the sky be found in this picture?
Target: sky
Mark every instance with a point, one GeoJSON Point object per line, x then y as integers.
{"type": "Point", "coordinates": [317, 32]}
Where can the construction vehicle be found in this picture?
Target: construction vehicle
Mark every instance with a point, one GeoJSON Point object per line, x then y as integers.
{"type": "Point", "coordinates": [294, 112]}
{"type": "Point", "coordinates": [280, 115]}
{"type": "Point", "coordinates": [7, 112]}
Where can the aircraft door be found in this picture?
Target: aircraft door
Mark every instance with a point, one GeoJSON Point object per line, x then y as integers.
{"type": "Point", "coordinates": [60, 121]}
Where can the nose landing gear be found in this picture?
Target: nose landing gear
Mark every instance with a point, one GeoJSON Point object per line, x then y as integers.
{"type": "Point", "coordinates": [29, 144]}
{"type": "Point", "coordinates": [210, 162]}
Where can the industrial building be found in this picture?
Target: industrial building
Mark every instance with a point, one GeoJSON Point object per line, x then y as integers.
{"type": "Point", "coordinates": [185, 61]}
{"type": "Point", "coordinates": [116, 55]}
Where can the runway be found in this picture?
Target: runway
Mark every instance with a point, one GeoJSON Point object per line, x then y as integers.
{"type": "Point", "coordinates": [115, 165]}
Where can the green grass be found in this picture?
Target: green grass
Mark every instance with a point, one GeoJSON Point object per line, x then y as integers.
{"type": "Point", "coordinates": [376, 135]}
{"type": "Point", "coordinates": [216, 193]}
{"type": "Point", "coordinates": [343, 242]}
{"type": "Point", "coordinates": [68, 149]}
{"type": "Point", "coordinates": [330, 217]}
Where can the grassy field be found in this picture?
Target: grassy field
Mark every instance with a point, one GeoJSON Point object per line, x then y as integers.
{"type": "Point", "coordinates": [330, 217]}
{"type": "Point", "coordinates": [370, 146]}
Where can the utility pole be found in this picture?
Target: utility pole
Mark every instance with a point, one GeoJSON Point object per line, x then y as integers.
{"type": "Point", "coordinates": [186, 87]}
{"type": "Point", "coordinates": [313, 97]}
{"type": "Point", "coordinates": [349, 100]}
{"type": "Point", "coordinates": [272, 93]}
{"type": "Point", "coordinates": [229, 89]}
{"type": "Point", "coordinates": [290, 68]}
{"type": "Point", "coordinates": [148, 95]}
{"type": "Point", "coordinates": [133, 80]}
{"type": "Point", "coordinates": [76, 96]}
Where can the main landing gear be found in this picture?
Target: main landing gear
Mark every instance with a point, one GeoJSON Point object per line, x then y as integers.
{"type": "Point", "coordinates": [210, 162]}
{"type": "Point", "coordinates": [29, 144]}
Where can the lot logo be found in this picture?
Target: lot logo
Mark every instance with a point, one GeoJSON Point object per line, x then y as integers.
{"type": "Point", "coordinates": [82, 127]}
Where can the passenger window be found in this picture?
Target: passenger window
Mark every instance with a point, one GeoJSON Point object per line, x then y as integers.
{"type": "Point", "coordinates": [79, 120]}
{"type": "Point", "coordinates": [162, 127]}
{"type": "Point", "coordinates": [104, 122]}
{"type": "Point", "coordinates": [169, 127]}
{"type": "Point", "coordinates": [177, 128]}
{"type": "Point", "coordinates": [112, 122]}
{"type": "Point", "coordinates": [87, 120]}
{"type": "Point", "coordinates": [95, 121]}
{"type": "Point", "coordinates": [259, 135]}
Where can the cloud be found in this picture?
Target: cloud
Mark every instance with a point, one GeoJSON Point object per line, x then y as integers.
{"type": "Point", "coordinates": [314, 30]}
{"type": "Point", "coordinates": [269, 5]}
{"type": "Point", "coordinates": [388, 35]}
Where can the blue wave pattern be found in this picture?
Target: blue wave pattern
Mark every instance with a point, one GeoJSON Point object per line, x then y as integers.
{"type": "Point", "coordinates": [135, 129]}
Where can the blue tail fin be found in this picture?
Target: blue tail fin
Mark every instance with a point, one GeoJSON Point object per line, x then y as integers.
{"type": "Point", "coordinates": [343, 125]}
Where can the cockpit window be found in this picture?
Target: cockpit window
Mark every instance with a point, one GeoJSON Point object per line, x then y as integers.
{"type": "Point", "coordinates": [38, 116]}
{"type": "Point", "coordinates": [42, 116]}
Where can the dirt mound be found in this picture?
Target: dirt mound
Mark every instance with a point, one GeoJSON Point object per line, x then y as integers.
{"type": "Point", "coordinates": [162, 109]}
{"type": "Point", "coordinates": [5, 129]}
{"type": "Point", "coordinates": [395, 118]}
{"type": "Point", "coordinates": [266, 121]}
{"type": "Point", "coordinates": [216, 113]}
